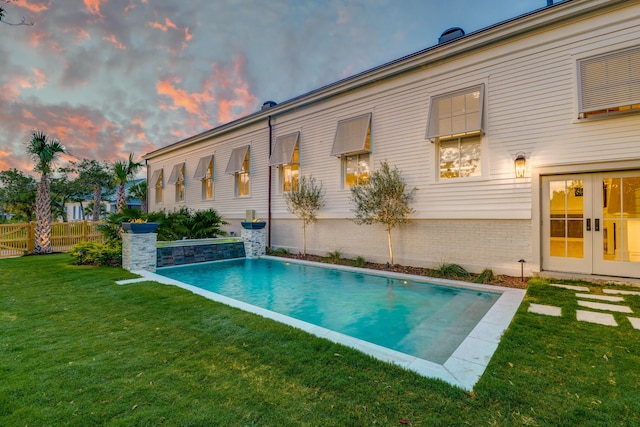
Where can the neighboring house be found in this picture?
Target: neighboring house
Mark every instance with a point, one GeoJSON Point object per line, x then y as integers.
{"type": "Point", "coordinates": [523, 140]}
{"type": "Point", "coordinates": [76, 210]}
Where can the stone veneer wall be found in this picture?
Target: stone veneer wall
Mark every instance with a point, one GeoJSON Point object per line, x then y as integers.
{"type": "Point", "coordinates": [255, 242]}
{"type": "Point", "coordinates": [139, 251]}
{"type": "Point", "coordinates": [189, 254]}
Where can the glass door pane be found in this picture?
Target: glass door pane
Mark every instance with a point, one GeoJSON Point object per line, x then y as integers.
{"type": "Point", "coordinates": [621, 219]}
{"type": "Point", "coordinates": [566, 218]}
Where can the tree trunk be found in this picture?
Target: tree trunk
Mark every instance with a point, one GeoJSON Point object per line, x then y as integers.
{"type": "Point", "coordinates": [390, 247]}
{"type": "Point", "coordinates": [121, 198]}
{"type": "Point", "coordinates": [304, 237]}
{"type": "Point", "coordinates": [42, 245]}
{"type": "Point", "coordinates": [96, 204]}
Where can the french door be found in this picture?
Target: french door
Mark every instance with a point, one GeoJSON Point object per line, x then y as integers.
{"type": "Point", "coordinates": [591, 223]}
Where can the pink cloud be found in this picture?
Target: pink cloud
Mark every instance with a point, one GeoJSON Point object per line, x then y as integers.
{"type": "Point", "coordinates": [35, 8]}
{"type": "Point", "coordinates": [114, 41]}
{"type": "Point", "coordinates": [167, 24]}
{"type": "Point", "coordinates": [93, 6]}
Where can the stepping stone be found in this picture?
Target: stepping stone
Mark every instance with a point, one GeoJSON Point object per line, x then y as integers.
{"type": "Point", "coordinates": [571, 287]}
{"type": "Point", "coordinates": [635, 322]}
{"type": "Point", "coordinates": [593, 317]}
{"type": "Point", "coordinates": [548, 310]}
{"type": "Point", "coordinates": [600, 297]}
{"type": "Point", "coordinates": [607, 307]}
{"type": "Point", "coordinates": [616, 291]}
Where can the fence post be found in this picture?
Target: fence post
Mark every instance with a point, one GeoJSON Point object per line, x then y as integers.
{"type": "Point", "coordinates": [85, 237]}
{"type": "Point", "coordinates": [31, 237]}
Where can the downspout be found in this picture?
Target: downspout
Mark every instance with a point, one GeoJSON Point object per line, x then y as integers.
{"type": "Point", "coordinates": [269, 190]}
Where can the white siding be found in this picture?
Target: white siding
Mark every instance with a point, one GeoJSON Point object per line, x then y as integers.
{"type": "Point", "coordinates": [530, 106]}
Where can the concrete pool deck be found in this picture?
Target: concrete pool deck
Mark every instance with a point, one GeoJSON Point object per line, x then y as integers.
{"type": "Point", "coordinates": [463, 368]}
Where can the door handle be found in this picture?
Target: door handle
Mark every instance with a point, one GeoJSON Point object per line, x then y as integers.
{"type": "Point", "coordinates": [596, 224]}
{"type": "Point", "coordinates": [588, 224]}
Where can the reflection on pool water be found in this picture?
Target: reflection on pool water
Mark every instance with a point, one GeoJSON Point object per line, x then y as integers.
{"type": "Point", "coordinates": [420, 319]}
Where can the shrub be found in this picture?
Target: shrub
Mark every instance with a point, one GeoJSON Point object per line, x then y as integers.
{"type": "Point", "coordinates": [333, 257]}
{"type": "Point", "coordinates": [95, 253]}
{"type": "Point", "coordinates": [452, 271]}
{"type": "Point", "coordinates": [486, 277]}
{"type": "Point", "coordinates": [359, 262]}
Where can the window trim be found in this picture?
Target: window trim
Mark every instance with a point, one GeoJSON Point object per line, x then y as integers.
{"type": "Point", "coordinates": [355, 140]}
{"type": "Point", "coordinates": [609, 103]}
{"type": "Point", "coordinates": [433, 126]}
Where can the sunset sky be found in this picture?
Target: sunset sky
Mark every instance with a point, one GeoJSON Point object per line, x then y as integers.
{"type": "Point", "coordinates": [110, 77]}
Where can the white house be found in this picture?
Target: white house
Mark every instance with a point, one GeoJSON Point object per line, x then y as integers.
{"type": "Point", "coordinates": [523, 140]}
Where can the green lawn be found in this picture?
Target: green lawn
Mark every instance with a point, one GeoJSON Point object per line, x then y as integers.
{"type": "Point", "coordinates": [77, 349]}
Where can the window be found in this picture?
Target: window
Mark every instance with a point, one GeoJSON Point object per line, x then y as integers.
{"type": "Point", "coordinates": [204, 172]}
{"type": "Point", "coordinates": [609, 83]}
{"type": "Point", "coordinates": [352, 143]}
{"type": "Point", "coordinates": [177, 178]}
{"type": "Point", "coordinates": [459, 157]}
{"type": "Point", "coordinates": [456, 125]}
{"type": "Point", "coordinates": [456, 114]}
{"type": "Point", "coordinates": [239, 167]}
{"type": "Point", "coordinates": [156, 181]}
{"type": "Point", "coordinates": [285, 156]}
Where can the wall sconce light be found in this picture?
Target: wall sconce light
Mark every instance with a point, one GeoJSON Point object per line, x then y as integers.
{"type": "Point", "coordinates": [520, 165]}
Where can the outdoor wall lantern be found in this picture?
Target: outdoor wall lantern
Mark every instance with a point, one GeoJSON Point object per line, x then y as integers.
{"type": "Point", "coordinates": [520, 164]}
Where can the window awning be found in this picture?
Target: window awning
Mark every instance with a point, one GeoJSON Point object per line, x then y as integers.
{"type": "Point", "coordinates": [236, 161]}
{"type": "Point", "coordinates": [611, 80]}
{"type": "Point", "coordinates": [456, 113]}
{"type": "Point", "coordinates": [351, 135]}
{"type": "Point", "coordinates": [177, 174]}
{"type": "Point", "coordinates": [203, 167]}
{"type": "Point", "coordinates": [283, 149]}
{"type": "Point", "coordinates": [156, 178]}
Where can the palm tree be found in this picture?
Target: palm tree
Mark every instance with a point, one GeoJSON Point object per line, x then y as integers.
{"type": "Point", "coordinates": [139, 191]}
{"type": "Point", "coordinates": [44, 152]}
{"type": "Point", "coordinates": [123, 171]}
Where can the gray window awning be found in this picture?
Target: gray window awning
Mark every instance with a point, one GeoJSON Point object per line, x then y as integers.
{"type": "Point", "coordinates": [203, 167]}
{"type": "Point", "coordinates": [456, 113]}
{"type": "Point", "coordinates": [156, 178]}
{"type": "Point", "coordinates": [283, 149]}
{"type": "Point", "coordinates": [177, 174]}
{"type": "Point", "coordinates": [611, 80]}
{"type": "Point", "coordinates": [352, 135]}
{"type": "Point", "coordinates": [236, 161]}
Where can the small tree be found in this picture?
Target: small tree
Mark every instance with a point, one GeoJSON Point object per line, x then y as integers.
{"type": "Point", "coordinates": [304, 200]}
{"type": "Point", "coordinates": [123, 172]}
{"type": "Point", "coordinates": [139, 191]}
{"type": "Point", "coordinates": [96, 177]}
{"type": "Point", "coordinates": [44, 151]}
{"type": "Point", "coordinates": [384, 200]}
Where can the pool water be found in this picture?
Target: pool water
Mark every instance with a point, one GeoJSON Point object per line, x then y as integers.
{"type": "Point", "coordinates": [420, 319]}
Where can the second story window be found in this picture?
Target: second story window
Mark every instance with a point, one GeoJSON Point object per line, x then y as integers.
{"type": "Point", "coordinates": [352, 143]}
{"type": "Point", "coordinates": [285, 156]}
{"type": "Point", "coordinates": [157, 183]}
{"type": "Point", "coordinates": [239, 167]}
{"type": "Point", "coordinates": [456, 126]}
{"type": "Point", "coordinates": [177, 178]}
{"type": "Point", "coordinates": [609, 84]}
{"type": "Point", "coordinates": [204, 172]}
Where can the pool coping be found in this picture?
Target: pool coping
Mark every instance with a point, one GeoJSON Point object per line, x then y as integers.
{"type": "Point", "coordinates": [463, 368]}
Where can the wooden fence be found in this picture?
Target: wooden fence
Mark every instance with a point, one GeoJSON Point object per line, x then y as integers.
{"type": "Point", "coordinates": [18, 239]}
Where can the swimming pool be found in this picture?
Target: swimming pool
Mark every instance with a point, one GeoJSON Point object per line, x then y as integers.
{"type": "Point", "coordinates": [398, 318]}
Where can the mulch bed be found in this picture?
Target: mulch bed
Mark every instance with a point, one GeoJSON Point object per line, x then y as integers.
{"type": "Point", "coordinates": [506, 281]}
